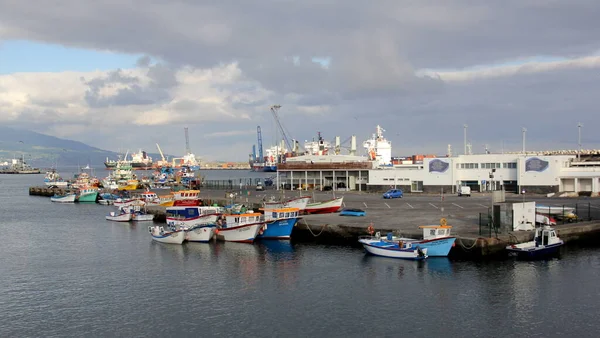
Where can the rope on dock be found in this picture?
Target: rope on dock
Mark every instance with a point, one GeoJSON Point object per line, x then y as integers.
{"type": "Point", "coordinates": [469, 248]}
{"type": "Point", "coordinates": [311, 232]}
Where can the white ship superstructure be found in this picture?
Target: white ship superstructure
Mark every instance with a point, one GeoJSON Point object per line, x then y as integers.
{"type": "Point", "coordinates": [379, 149]}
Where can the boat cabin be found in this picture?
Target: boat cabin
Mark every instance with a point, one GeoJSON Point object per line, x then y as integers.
{"type": "Point", "coordinates": [283, 213]}
{"type": "Point", "coordinates": [243, 219]}
{"type": "Point", "coordinates": [187, 195]}
{"type": "Point", "coordinates": [435, 231]}
{"type": "Point", "coordinates": [191, 212]}
{"type": "Point", "coordinates": [545, 236]}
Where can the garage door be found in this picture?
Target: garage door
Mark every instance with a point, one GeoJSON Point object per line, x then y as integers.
{"type": "Point", "coordinates": [585, 184]}
{"type": "Point", "coordinates": [568, 184]}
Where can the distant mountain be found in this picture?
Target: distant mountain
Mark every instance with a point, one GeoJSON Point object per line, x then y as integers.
{"type": "Point", "coordinates": [44, 151]}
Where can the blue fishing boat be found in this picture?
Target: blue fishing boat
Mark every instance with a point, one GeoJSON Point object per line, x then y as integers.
{"type": "Point", "coordinates": [352, 212]}
{"type": "Point", "coordinates": [545, 243]}
{"type": "Point", "coordinates": [279, 223]}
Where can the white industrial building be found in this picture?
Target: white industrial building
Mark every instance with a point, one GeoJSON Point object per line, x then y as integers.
{"type": "Point", "coordinates": [517, 172]}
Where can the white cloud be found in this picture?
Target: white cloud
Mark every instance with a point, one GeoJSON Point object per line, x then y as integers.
{"type": "Point", "coordinates": [507, 70]}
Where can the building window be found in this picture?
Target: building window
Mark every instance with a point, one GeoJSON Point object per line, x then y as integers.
{"type": "Point", "coordinates": [416, 186]}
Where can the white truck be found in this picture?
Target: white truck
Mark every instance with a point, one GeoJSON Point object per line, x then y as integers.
{"type": "Point", "coordinates": [464, 191]}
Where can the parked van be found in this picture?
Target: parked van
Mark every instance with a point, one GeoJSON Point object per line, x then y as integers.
{"type": "Point", "coordinates": [464, 191]}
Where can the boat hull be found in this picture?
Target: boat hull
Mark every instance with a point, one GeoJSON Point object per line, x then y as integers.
{"type": "Point", "coordinates": [186, 203]}
{"type": "Point", "coordinates": [326, 207]}
{"type": "Point", "coordinates": [63, 199]}
{"type": "Point", "coordinates": [392, 250]}
{"type": "Point", "coordinates": [532, 253]}
{"type": "Point", "coordinates": [142, 217]}
{"type": "Point", "coordinates": [56, 183]}
{"type": "Point", "coordinates": [172, 237]}
{"type": "Point", "coordinates": [279, 229]}
{"type": "Point", "coordinates": [200, 233]}
{"type": "Point", "coordinates": [115, 217]}
{"type": "Point", "coordinates": [244, 233]}
{"type": "Point", "coordinates": [439, 247]}
{"type": "Point", "coordinates": [89, 197]}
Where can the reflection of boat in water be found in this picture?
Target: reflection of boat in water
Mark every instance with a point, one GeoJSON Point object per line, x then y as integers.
{"type": "Point", "coordinates": [439, 265]}
{"type": "Point", "coordinates": [277, 250]}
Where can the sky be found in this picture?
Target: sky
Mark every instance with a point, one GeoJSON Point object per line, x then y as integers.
{"type": "Point", "coordinates": [131, 74]}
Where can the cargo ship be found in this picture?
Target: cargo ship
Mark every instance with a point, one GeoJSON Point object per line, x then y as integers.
{"type": "Point", "coordinates": [138, 160]}
{"type": "Point", "coordinates": [19, 166]}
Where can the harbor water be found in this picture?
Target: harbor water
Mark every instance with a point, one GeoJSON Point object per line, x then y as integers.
{"type": "Point", "coordinates": [66, 271]}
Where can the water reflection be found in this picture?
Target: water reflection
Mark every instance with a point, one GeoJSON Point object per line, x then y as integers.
{"type": "Point", "coordinates": [276, 250]}
{"type": "Point", "coordinates": [281, 260]}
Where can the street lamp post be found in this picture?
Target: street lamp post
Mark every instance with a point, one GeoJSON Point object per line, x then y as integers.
{"type": "Point", "coordinates": [465, 137]}
{"type": "Point", "coordinates": [524, 131]}
{"type": "Point", "coordinates": [579, 125]}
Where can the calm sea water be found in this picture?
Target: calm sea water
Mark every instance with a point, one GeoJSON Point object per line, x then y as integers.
{"type": "Point", "coordinates": [65, 271]}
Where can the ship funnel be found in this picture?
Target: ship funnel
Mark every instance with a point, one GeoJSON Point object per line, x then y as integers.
{"type": "Point", "coordinates": [353, 146]}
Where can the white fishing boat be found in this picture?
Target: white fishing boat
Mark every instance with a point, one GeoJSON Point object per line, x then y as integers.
{"type": "Point", "coordinates": [159, 234]}
{"type": "Point", "coordinates": [299, 202]}
{"type": "Point", "coordinates": [119, 216]}
{"type": "Point", "coordinates": [68, 198]}
{"type": "Point", "coordinates": [380, 246]}
{"type": "Point", "coordinates": [53, 179]}
{"type": "Point", "coordinates": [324, 207]}
{"type": "Point", "coordinates": [241, 227]}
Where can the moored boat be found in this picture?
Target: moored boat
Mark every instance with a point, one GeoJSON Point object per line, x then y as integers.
{"type": "Point", "coordinates": [240, 227]}
{"type": "Point", "coordinates": [324, 207]}
{"type": "Point", "coordinates": [436, 239]}
{"type": "Point", "coordinates": [68, 198]}
{"type": "Point", "coordinates": [87, 194]}
{"type": "Point", "coordinates": [279, 223]}
{"type": "Point", "coordinates": [159, 234]}
{"type": "Point", "coordinates": [119, 216]}
{"type": "Point", "coordinates": [378, 246]}
{"type": "Point", "coordinates": [545, 243]}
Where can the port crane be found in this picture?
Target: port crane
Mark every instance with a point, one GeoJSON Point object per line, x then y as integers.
{"type": "Point", "coordinates": [260, 158]}
{"type": "Point", "coordinates": [275, 110]}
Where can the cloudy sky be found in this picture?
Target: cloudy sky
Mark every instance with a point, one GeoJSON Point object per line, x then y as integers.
{"type": "Point", "coordinates": [132, 73]}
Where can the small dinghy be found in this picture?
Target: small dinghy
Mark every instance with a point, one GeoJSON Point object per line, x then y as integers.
{"type": "Point", "coordinates": [352, 212]}
{"type": "Point", "coordinates": [545, 243]}
{"type": "Point", "coordinates": [159, 234]}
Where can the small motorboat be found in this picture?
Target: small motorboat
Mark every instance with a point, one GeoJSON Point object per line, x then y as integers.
{"type": "Point", "coordinates": [325, 207]}
{"type": "Point", "coordinates": [380, 246]}
{"type": "Point", "coordinates": [545, 243]}
{"type": "Point", "coordinates": [352, 212]}
{"type": "Point", "coordinates": [67, 198]}
{"type": "Point", "coordinates": [159, 234]}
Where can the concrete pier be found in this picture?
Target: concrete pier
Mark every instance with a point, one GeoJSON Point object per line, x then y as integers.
{"type": "Point", "coordinates": [49, 192]}
{"type": "Point", "coordinates": [403, 216]}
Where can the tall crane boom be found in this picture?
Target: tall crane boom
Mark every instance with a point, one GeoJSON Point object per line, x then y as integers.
{"type": "Point", "coordinates": [274, 110]}
{"type": "Point", "coordinates": [187, 141]}
{"type": "Point", "coordinates": [261, 158]}
{"type": "Point", "coordinates": [160, 151]}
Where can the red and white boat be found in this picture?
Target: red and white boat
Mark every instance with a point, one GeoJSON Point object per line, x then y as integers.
{"type": "Point", "coordinates": [300, 203]}
{"type": "Point", "coordinates": [324, 207]}
{"type": "Point", "coordinates": [186, 198]}
{"type": "Point", "coordinates": [241, 227]}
